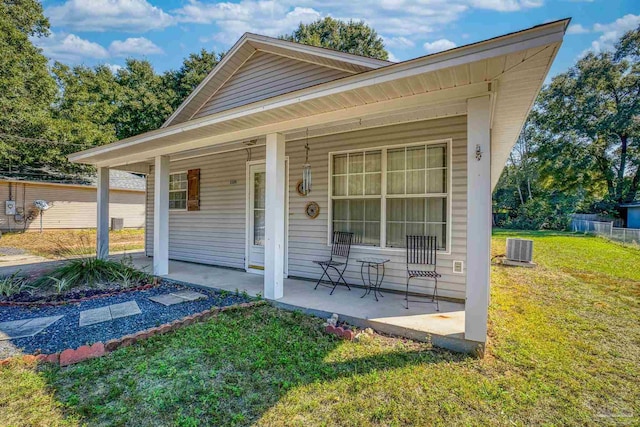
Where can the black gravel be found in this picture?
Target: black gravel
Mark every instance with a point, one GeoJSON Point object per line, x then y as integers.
{"type": "Point", "coordinates": [65, 333]}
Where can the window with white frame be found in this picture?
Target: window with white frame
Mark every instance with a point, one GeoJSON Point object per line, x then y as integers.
{"type": "Point", "coordinates": [384, 194]}
{"type": "Point", "coordinates": [178, 191]}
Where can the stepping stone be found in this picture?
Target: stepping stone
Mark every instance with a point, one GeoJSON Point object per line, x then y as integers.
{"type": "Point", "coordinates": [177, 297]}
{"type": "Point", "coordinates": [190, 295]}
{"type": "Point", "coordinates": [167, 299]}
{"type": "Point", "coordinates": [125, 309]}
{"type": "Point", "coordinates": [110, 312]}
{"type": "Point", "coordinates": [25, 327]}
{"type": "Point", "coordinates": [95, 315]}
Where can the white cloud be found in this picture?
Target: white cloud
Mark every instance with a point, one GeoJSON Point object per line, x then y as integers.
{"type": "Point", "coordinates": [263, 17]}
{"type": "Point", "coordinates": [612, 31]}
{"type": "Point", "coordinates": [393, 58]}
{"type": "Point", "coordinates": [114, 67]}
{"type": "Point", "coordinates": [108, 15]}
{"type": "Point", "coordinates": [400, 22]}
{"type": "Point", "coordinates": [398, 42]}
{"type": "Point", "coordinates": [70, 48]}
{"type": "Point", "coordinates": [506, 5]}
{"type": "Point", "coordinates": [134, 46]}
{"type": "Point", "coordinates": [439, 45]}
{"type": "Point", "coordinates": [626, 23]}
{"type": "Point", "coordinates": [577, 29]}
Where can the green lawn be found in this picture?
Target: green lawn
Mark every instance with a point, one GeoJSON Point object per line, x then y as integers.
{"type": "Point", "coordinates": [564, 350]}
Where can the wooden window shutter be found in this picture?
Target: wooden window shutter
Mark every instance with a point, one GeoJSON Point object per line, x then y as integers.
{"type": "Point", "coordinates": [193, 190]}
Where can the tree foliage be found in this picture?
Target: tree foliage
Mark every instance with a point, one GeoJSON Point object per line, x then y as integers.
{"type": "Point", "coordinates": [590, 117]}
{"type": "Point", "coordinates": [352, 37]}
{"type": "Point", "coordinates": [582, 143]}
{"type": "Point", "coordinates": [26, 87]}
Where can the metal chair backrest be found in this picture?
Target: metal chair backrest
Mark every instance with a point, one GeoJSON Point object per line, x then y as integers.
{"type": "Point", "coordinates": [422, 250]}
{"type": "Point", "coordinates": [341, 244]}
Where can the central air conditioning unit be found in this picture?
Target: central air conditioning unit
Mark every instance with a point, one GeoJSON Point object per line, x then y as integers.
{"type": "Point", "coordinates": [519, 252]}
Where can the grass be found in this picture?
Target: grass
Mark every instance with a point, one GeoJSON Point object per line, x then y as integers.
{"type": "Point", "coordinates": [564, 350]}
{"type": "Point", "coordinates": [58, 244]}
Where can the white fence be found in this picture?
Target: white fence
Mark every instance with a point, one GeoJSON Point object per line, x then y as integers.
{"type": "Point", "coordinates": [607, 230]}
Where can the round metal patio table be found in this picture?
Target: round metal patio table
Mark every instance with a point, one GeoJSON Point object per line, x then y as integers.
{"type": "Point", "coordinates": [376, 264]}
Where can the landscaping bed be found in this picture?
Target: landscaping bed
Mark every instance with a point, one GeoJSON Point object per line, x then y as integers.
{"type": "Point", "coordinates": [66, 332]}
{"type": "Point", "coordinates": [73, 281]}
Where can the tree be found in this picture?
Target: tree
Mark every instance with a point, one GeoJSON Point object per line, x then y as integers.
{"type": "Point", "coordinates": [590, 117]}
{"type": "Point", "coordinates": [83, 112]}
{"type": "Point", "coordinates": [193, 70]}
{"type": "Point", "coordinates": [26, 87]}
{"type": "Point", "coordinates": [144, 101]}
{"type": "Point", "coordinates": [352, 37]}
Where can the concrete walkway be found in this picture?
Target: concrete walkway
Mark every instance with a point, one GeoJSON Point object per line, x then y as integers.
{"type": "Point", "coordinates": [389, 315]}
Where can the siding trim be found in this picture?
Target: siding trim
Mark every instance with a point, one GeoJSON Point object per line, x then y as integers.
{"type": "Point", "coordinates": [383, 184]}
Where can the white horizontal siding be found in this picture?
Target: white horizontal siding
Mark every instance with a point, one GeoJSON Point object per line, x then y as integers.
{"type": "Point", "coordinates": [216, 234]}
{"type": "Point", "coordinates": [72, 207]}
{"type": "Point", "coordinates": [308, 237]}
{"type": "Point", "coordinates": [266, 75]}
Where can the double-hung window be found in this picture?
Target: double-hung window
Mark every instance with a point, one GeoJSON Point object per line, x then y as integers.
{"type": "Point", "coordinates": [384, 194]}
{"type": "Point", "coordinates": [178, 191]}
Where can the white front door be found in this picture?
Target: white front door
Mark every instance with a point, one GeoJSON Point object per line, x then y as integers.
{"type": "Point", "coordinates": [256, 183]}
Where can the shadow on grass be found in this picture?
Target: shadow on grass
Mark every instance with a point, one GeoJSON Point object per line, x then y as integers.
{"type": "Point", "coordinates": [228, 371]}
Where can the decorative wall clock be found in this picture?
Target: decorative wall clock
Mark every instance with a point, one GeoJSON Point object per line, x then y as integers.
{"type": "Point", "coordinates": [312, 210]}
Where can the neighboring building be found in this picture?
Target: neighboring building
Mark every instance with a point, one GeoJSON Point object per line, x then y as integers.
{"type": "Point", "coordinates": [72, 205]}
{"type": "Point", "coordinates": [414, 147]}
{"type": "Point", "coordinates": [632, 214]}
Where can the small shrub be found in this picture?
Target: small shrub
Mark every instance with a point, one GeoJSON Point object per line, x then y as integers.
{"type": "Point", "coordinates": [14, 284]}
{"type": "Point", "coordinates": [92, 272]}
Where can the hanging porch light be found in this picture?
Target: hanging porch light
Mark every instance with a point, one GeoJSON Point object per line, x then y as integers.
{"type": "Point", "coordinates": [306, 169]}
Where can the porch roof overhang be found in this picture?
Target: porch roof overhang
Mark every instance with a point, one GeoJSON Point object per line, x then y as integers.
{"type": "Point", "coordinates": [511, 69]}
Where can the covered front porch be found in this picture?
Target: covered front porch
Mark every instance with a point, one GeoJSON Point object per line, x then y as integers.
{"type": "Point", "coordinates": [420, 322]}
{"type": "Point", "coordinates": [412, 148]}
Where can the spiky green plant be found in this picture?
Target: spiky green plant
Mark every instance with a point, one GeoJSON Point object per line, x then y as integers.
{"type": "Point", "coordinates": [91, 272]}
{"type": "Point", "coordinates": [14, 284]}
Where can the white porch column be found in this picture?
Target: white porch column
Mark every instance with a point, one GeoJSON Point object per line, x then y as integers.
{"type": "Point", "coordinates": [102, 221]}
{"type": "Point", "coordinates": [478, 218]}
{"type": "Point", "coordinates": [161, 216]}
{"type": "Point", "coordinates": [274, 218]}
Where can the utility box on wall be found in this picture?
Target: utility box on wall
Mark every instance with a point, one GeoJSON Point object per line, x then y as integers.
{"type": "Point", "coordinates": [10, 207]}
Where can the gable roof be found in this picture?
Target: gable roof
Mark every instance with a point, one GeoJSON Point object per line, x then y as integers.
{"type": "Point", "coordinates": [247, 46]}
{"type": "Point", "coordinates": [510, 69]}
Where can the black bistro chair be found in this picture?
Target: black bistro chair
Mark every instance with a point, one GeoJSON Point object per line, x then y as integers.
{"type": "Point", "coordinates": [338, 260]}
{"type": "Point", "coordinates": [421, 262]}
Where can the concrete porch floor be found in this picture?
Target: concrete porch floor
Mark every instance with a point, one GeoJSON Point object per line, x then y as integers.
{"type": "Point", "coordinates": [420, 322]}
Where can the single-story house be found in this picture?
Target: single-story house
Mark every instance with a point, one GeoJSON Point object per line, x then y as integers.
{"type": "Point", "coordinates": [632, 214]}
{"type": "Point", "coordinates": [71, 205]}
{"type": "Point", "coordinates": [413, 147]}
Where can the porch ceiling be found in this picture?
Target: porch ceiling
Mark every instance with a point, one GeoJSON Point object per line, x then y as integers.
{"type": "Point", "coordinates": [510, 68]}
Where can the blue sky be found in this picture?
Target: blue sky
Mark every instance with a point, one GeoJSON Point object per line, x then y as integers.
{"type": "Point", "coordinates": [164, 32]}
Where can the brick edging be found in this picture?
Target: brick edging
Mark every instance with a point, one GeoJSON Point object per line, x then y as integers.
{"type": "Point", "coordinates": [99, 349]}
{"type": "Point", "coordinates": [341, 332]}
{"type": "Point", "coordinates": [77, 300]}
